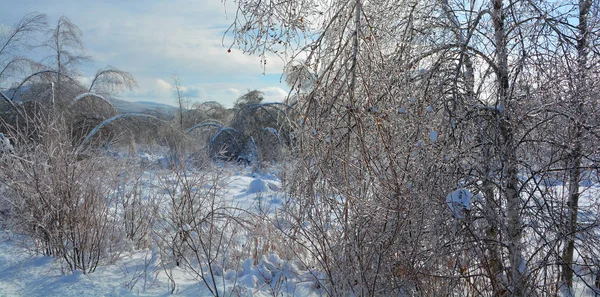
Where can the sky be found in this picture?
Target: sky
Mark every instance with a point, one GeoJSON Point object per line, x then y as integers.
{"type": "Point", "coordinates": [157, 39]}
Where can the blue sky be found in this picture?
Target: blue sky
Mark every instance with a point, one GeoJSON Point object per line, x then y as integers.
{"type": "Point", "coordinates": [155, 39]}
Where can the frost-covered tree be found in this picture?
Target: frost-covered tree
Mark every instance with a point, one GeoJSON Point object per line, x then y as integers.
{"type": "Point", "coordinates": [579, 120]}
{"type": "Point", "coordinates": [14, 40]}
{"type": "Point", "coordinates": [252, 97]}
{"type": "Point", "coordinates": [410, 101]}
{"type": "Point", "coordinates": [65, 42]}
{"type": "Point", "coordinates": [373, 125]}
{"type": "Point", "coordinates": [180, 99]}
{"type": "Point", "coordinates": [58, 198]}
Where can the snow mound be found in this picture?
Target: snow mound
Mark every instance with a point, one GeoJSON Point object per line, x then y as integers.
{"type": "Point", "coordinates": [274, 187]}
{"type": "Point", "coordinates": [256, 186]}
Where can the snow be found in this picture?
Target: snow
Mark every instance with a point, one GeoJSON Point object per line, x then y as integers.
{"type": "Point", "coordinates": [256, 186]}
{"type": "Point", "coordinates": [273, 187]}
{"type": "Point", "coordinates": [139, 272]}
{"type": "Point", "coordinates": [5, 145]}
{"type": "Point", "coordinates": [22, 274]}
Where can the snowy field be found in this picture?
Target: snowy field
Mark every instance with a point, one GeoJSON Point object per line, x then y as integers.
{"type": "Point", "coordinates": [254, 260]}
{"type": "Point", "coordinates": [138, 272]}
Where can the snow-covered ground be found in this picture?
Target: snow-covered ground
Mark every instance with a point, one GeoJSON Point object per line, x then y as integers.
{"type": "Point", "coordinates": [137, 272]}
{"type": "Point", "coordinates": [267, 271]}
{"type": "Point", "coordinates": [134, 274]}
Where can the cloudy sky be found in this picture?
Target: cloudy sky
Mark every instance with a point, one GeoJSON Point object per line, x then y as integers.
{"type": "Point", "coordinates": [156, 39]}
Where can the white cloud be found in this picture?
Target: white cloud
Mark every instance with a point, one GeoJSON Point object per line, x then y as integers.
{"type": "Point", "coordinates": [154, 39]}
{"type": "Point", "coordinates": [163, 86]}
{"type": "Point", "coordinates": [274, 94]}
{"type": "Point", "coordinates": [233, 92]}
{"type": "Point", "coordinates": [86, 81]}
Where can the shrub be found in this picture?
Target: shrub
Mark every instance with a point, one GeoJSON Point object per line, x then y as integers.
{"type": "Point", "coordinates": [59, 200]}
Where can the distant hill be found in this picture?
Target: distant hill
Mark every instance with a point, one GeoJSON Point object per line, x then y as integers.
{"type": "Point", "coordinates": [162, 110]}
{"type": "Point", "coordinates": [143, 107]}
{"type": "Point", "coordinates": [161, 105]}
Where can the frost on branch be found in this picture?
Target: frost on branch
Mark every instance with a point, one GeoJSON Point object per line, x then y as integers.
{"type": "Point", "coordinates": [5, 145]}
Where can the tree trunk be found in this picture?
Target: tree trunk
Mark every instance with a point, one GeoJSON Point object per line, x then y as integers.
{"type": "Point", "coordinates": [510, 182]}
{"type": "Point", "coordinates": [575, 157]}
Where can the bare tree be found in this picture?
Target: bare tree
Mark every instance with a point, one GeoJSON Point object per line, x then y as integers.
{"type": "Point", "coordinates": [396, 86]}
{"type": "Point", "coordinates": [14, 40]}
{"type": "Point", "coordinates": [182, 101]}
{"type": "Point", "coordinates": [109, 80]}
{"type": "Point", "coordinates": [574, 162]}
{"type": "Point", "coordinates": [66, 44]}
{"type": "Point", "coordinates": [358, 180]}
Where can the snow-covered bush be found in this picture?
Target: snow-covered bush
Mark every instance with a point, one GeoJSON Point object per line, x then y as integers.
{"type": "Point", "coordinates": [62, 202]}
{"type": "Point", "coordinates": [136, 203]}
{"type": "Point", "coordinates": [195, 229]}
{"type": "Point", "coordinates": [265, 128]}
